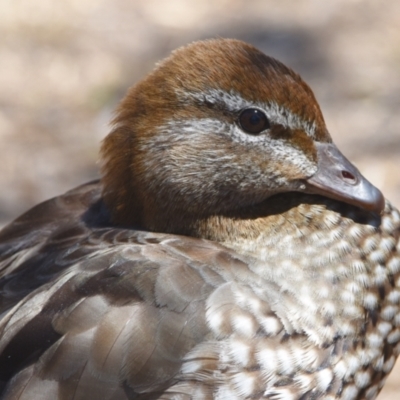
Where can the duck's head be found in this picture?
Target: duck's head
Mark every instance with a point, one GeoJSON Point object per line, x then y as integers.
{"type": "Point", "coordinates": [218, 127]}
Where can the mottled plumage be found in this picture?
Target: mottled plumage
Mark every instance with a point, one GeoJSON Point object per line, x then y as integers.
{"type": "Point", "coordinates": [197, 268]}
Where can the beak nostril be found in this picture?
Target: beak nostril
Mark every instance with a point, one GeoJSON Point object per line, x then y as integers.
{"type": "Point", "coordinates": [348, 175]}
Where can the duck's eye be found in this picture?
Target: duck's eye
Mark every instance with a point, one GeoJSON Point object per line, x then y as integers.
{"type": "Point", "coordinates": [253, 121]}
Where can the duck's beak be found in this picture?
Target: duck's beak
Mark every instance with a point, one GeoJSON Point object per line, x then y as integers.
{"type": "Point", "coordinates": [339, 179]}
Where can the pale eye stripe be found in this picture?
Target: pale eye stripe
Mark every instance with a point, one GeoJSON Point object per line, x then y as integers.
{"type": "Point", "coordinates": [234, 103]}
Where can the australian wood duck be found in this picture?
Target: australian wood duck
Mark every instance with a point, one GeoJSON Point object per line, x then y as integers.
{"type": "Point", "coordinates": [230, 251]}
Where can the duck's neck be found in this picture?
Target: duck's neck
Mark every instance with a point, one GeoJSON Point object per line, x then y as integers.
{"type": "Point", "coordinates": [250, 231]}
{"type": "Point", "coordinates": [297, 224]}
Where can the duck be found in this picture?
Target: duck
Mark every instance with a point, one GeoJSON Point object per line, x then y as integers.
{"type": "Point", "coordinates": [229, 251]}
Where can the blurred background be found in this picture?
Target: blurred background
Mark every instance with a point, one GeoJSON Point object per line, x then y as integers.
{"type": "Point", "coordinates": [64, 65]}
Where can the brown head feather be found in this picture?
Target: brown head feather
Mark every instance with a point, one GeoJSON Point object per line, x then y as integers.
{"type": "Point", "coordinates": [228, 66]}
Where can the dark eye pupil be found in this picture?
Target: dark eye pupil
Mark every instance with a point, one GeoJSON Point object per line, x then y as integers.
{"type": "Point", "coordinates": [253, 121]}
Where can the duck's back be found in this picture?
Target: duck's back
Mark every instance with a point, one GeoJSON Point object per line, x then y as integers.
{"type": "Point", "coordinates": [33, 248]}
{"type": "Point", "coordinates": [99, 311]}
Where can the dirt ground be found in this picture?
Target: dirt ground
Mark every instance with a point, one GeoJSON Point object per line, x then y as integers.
{"type": "Point", "coordinates": [65, 65]}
